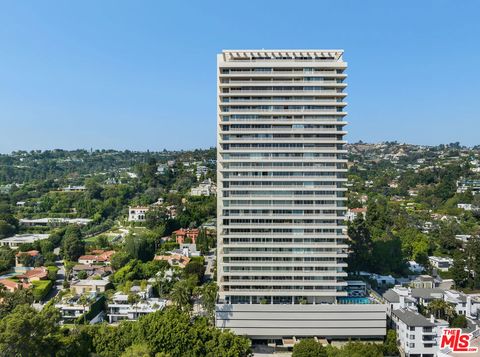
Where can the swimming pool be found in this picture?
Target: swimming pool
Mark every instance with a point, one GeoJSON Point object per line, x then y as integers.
{"type": "Point", "coordinates": [354, 300]}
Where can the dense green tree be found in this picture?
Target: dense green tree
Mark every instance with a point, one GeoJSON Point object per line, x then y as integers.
{"type": "Point", "coordinates": [388, 258]}
{"type": "Point", "coordinates": [102, 242]}
{"type": "Point", "coordinates": [137, 350]}
{"type": "Point", "coordinates": [155, 217]}
{"type": "Point", "coordinates": [390, 347]}
{"type": "Point", "coordinates": [195, 268]}
{"type": "Point", "coordinates": [6, 229]}
{"type": "Point", "coordinates": [209, 298]}
{"type": "Point", "coordinates": [7, 258]}
{"type": "Point", "coordinates": [309, 348]}
{"type": "Point", "coordinates": [171, 331]}
{"type": "Point", "coordinates": [139, 247]}
{"type": "Point", "coordinates": [73, 245]}
{"type": "Point", "coordinates": [201, 241]}
{"type": "Point", "coordinates": [26, 332]}
{"type": "Point", "coordinates": [46, 246]}
{"type": "Point", "coordinates": [459, 321]}
{"type": "Point", "coordinates": [119, 260]}
{"type": "Point", "coordinates": [10, 300]}
{"type": "Point", "coordinates": [181, 294]}
{"type": "Point", "coordinates": [473, 262]}
{"type": "Point", "coordinates": [458, 271]}
{"type": "Point", "coordinates": [356, 349]}
{"type": "Point", "coordinates": [361, 246]}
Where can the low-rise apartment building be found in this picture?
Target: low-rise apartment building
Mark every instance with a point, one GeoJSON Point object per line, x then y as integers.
{"type": "Point", "coordinates": [416, 335]}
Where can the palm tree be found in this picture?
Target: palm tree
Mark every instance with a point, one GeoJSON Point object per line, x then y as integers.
{"type": "Point", "coordinates": [441, 309]}
{"type": "Point", "coordinates": [209, 298]}
{"type": "Point", "coordinates": [181, 295]}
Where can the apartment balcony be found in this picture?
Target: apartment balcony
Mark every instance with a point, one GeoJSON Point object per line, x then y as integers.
{"type": "Point", "coordinates": [334, 216]}
{"type": "Point", "coordinates": [225, 110]}
{"type": "Point", "coordinates": [323, 119]}
{"type": "Point", "coordinates": [285, 264]}
{"type": "Point", "coordinates": [276, 169]}
{"type": "Point", "coordinates": [263, 73]}
{"type": "Point", "coordinates": [274, 150]}
{"type": "Point", "coordinates": [273, 283]}
{"type": "Point", "coordinates": [232, 92]}
{"type": "Point", "coordinates": [250, 102]}
{"type": "Point", "coordinates": [282, 77]}
{"type": "Point", "coordinates": [270, 83]}
{"type": "Point", "coordinates": [283, 196]}
{"type": "Point", "coordinates": [283, 292]}
{"type": "Point", "coordinates": [282, 235]}
{"type": "Point", "coordinates": [309, 178]}
{"type": "Point", "coordinates": [297, 131]}
{"type": "Point", "coordinates": [337, 274]}
{"type": "Point", "coordinates": [283, 187]}
{"type": "Point", "coordinates": [292, 245]}
{"type": "Point", "coordinates": [286, 255]}
{"type": "Point", "coordinates": [313, 160]}
{"type": "Point", "coordinates": [281, 140]}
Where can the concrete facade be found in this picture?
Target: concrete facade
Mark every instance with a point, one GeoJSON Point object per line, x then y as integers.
{"type": "Point", "coordinates": [281, 171]}
{"type": "Point", "coordinates": [333, 321]}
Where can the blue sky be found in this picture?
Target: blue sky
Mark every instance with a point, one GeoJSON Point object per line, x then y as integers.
{"type": "Point", "coordinates": [141, 74]}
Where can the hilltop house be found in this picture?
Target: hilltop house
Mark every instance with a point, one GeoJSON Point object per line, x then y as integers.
{"type": "Point", "coordinates": [183, 234]}
{"type": "Point", "coordinates": [137, 214]}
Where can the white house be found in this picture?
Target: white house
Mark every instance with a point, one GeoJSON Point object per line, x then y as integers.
{"type": "Point", "coordinates": [89, 285]}
{"type": "Point", "coordinates": [414, 267]}
{"type": "Point", "coordinates": [464, 238]}
{"type": "Point", "coordinates": [441, 263]}
{"type": "Point", "coordinates": [71, 307]}
{"type": "Point", "coordinates": [465, 206]}
{"type": "Point", "coordinates": [120, 308]}
{"type": "Point", "coordinates": [353, 213]}
{"type": "Point", "coordinates": [206, 188]}
{"type": "Point", "coordinates": [383, 279]}
{"type": "Point", "coordinates": [46, 222]}
{"type": "Point", "coordinates": [19, 239]}
{"type": "Point", "coordinates": [137, 214]}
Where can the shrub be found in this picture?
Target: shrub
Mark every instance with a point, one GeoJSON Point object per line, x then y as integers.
{"type": "Point", "coordinates": [41, 288]}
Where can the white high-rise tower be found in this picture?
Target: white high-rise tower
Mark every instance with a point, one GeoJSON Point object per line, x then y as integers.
{"type": "Point", "coordinates": [281, 174]}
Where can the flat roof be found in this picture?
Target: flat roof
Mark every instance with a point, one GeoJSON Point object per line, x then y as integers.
{"type": "Point", "coordinates": [47, 220]}
{"type": "Point", "coordinates": [91, 282]}
{"type": "Point", "coordinates": [25, 238]}
{"type": "Point", "coordinates": [283, 54]}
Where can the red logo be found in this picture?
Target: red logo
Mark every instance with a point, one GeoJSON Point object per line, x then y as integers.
{"type": "Point", "coordinates": [456, 340]}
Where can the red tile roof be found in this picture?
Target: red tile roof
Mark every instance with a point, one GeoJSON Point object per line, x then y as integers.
{"type": "Point", "coordinates": [13, 285]}
{"type": "Point", "coordinates": [88, 257]}
{"type": "Point", "coordinates": [40, 273]}
{"type": "Point", "coordinates": [32, 253]}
